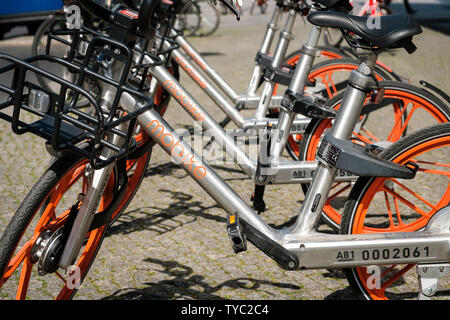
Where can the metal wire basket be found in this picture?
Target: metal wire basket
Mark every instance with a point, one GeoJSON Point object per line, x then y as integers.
{"type": "Point", "coordinates": [56, 115]}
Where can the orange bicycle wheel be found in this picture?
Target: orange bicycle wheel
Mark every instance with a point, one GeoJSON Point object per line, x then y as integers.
{"type": "Point", "coordinates": [45, 211]}
{"type": "Point", "coordinates": [407, 109]}
{"type": "Point", "coordinates": [32, 234]}
{"type": "Point", "coordinates": [394, 205]}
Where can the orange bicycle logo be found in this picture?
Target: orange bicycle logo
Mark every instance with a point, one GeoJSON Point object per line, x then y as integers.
{"type": "Point", "coordinates": [194, 56]}
{"type": "Point", "coordinates": [178, 152]}
{"type": "Point", "coordinates": [190, 72]}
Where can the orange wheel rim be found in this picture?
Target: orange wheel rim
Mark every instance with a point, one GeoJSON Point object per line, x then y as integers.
{"type": "Point", "coordinates": [49, 221]}
{"type": "Point", "coordinates": [378, 186]}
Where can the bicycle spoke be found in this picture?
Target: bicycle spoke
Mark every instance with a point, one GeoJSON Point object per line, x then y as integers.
{"type": "Point", "coordinates": [17, 260]}
{"type": "Point", "coordinates": [402, 125]}
{"type": "Point", "coordinates": [389, 211]}
{"type": "Point", "coordinates": [24, 278]}
{"type": "Point", "coordinates": [396, 276]}
{"type": "Point", "coordinates": [406, 202]}
{"type": "Point", "coordinates": [333, 196]}
{"type": "Point", "coordinates": [415, 194]}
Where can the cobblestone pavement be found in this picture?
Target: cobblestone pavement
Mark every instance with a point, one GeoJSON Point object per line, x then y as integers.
{"type": "Point", "coordinates": [171, 243]}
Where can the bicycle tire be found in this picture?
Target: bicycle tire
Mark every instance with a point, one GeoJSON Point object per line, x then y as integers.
{"type": "Point", "coordinates": [209, 18]}
{"type": "Point", "coordinates": [430, 110]}
{"type": "Point", "coordinates": [192, 11]}
{"type": "Point", "coordinates": [68, 164]}
{"type": "Point", "coordinates": [57, 176]}
{"type": "Point", "coordinates": [366, 198]}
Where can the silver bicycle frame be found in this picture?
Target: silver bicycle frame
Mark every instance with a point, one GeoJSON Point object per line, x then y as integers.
{"type": "Point", "coordinates": [314, 250]}
{"type": "Point", "coordinates": [298, 125]}
{"type": "Point", "coordinates": [249, 99]}
{"type": "Point", "coordinates": [285, 172]}
{"type": "Point", "coordinates": [288, 123]}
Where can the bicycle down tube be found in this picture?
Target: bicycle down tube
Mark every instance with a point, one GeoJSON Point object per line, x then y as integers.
{"type": "Point", "coordinates": [298, 125]}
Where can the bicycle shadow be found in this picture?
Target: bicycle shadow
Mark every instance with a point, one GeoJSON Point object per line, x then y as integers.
{"type": "Point", "coordinates": [170, 168]}
{"type": "Point", "coordinates": [183, 283]}
{"type": "Point", "coordinates": [178, 213]}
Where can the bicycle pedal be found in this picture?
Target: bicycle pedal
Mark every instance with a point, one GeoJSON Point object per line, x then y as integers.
{"type": "Point", "coordinates": [236, 234]}
{"type": "Point", "coordinates": [309, 106]}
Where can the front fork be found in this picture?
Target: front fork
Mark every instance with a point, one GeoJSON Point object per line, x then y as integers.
{"type": "Point", "coordinates": [96, 186]}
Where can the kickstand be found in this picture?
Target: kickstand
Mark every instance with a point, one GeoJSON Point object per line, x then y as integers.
{"type": "Point", "coordinates": [257, 197]}
{"type": "Point", "coordinates": [429, 275]}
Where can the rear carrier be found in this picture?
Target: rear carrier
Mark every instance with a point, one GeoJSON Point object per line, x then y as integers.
{"type": "Point", "coordinates": [69, 110]}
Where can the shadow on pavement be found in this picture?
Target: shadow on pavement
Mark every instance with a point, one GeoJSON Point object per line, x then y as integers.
{"type": "Point", "coordinates": [183, 283]}
{"type": "Point", "coordinates": [179, 212]}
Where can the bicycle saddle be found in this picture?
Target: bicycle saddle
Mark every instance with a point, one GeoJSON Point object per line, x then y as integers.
{"type": "Point", "coordinates": [335, 5]}
{"type": "Point", "coordinates": [392, 31]}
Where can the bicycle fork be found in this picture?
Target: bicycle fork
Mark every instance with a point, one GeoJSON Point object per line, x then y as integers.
{"type": "Point", "coordinates": [90, 202]}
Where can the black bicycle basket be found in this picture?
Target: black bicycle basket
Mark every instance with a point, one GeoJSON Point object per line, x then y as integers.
{"type": "Point", "coordinates": [89, 56]}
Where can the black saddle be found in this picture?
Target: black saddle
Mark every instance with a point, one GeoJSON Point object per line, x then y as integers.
{"type": "Point", "coordinates": [335, 5]}
{"type": "Point", "coordinates": [392, 31]}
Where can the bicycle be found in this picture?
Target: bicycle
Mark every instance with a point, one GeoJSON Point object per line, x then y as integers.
{"type": "Point", "coordinates": [302, 172]}
{"type": "Point", "coordinates": [262, 4]}
{"type": "Point", "coordinates": [199, 18]}
{"type": "Point", "coordinates": [294, 248]}
{"type": "Point", "coordinates": [399, 92]}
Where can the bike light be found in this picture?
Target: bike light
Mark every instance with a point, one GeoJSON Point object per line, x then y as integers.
{"type": "Point", "coordinates": [39, 101]}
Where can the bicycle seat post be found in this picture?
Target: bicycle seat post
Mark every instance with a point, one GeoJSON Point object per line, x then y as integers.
{"type": "Point", "coordinates": [360, 83]}
{"type": "Point", "coordinates": [285, 37]}
{"type": "Point", "coordinates": [272, 27]}
{"type": "Point", "coordinates": [296, 87]}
